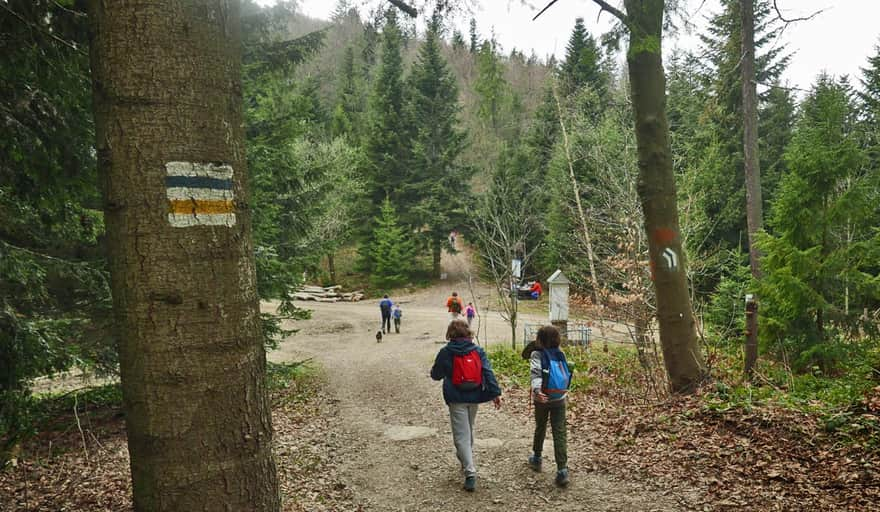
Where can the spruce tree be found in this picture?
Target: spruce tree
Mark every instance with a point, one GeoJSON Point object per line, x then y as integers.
{"type": "Point", "coordinates": [581, 65]}
{"type": "Point", "coordinates": [776, 120]}
{"type": "Point", "coordinates": [490, 84]}
{"type": "Point", "coordinates": [458, 43]}
{"type": "Point", "coordinates": [725, 201]}
{"type": "Point", "coordinates": [387, 135]}
{"type": "Point", "coordinates": [436, 177]}
{"type": "Point", "coordinates": [870, 94]}
{"type": "Point", "coordinates": [344, 121]}
{"type": "Point", "coordinates": [392, 250]}
{"type": "Point", "coordinates": [819, 269]}
{"type": "Point", "coordinates": [474, 37]}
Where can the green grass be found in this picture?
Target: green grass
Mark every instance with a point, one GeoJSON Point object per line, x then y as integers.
{"type": "Point", "coordinates": [616, 371]}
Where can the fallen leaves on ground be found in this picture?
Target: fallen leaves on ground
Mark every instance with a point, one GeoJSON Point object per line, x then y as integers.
{"type": "Point", "coordinates": [767, 458]}
{"type": "Point", "coordinates": [58, 475]}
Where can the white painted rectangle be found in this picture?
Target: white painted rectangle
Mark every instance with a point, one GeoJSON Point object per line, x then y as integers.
{"type": "Point", "coordinates": [203, 169]}
{"type": "Point", "coordinates": [188, 220]}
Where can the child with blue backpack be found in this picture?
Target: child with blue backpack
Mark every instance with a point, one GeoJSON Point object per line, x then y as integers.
{"type": "Point", "coordinates": [550, 380]}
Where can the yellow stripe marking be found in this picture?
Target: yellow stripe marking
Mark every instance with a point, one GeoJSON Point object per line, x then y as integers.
{"type": "Point", "coordinates": [195, 207]}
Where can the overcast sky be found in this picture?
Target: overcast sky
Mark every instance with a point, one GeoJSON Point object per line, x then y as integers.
{"type": "Point", "coordinates": [839, 40]}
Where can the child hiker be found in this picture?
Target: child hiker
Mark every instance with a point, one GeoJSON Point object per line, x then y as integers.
{"type": "Point", "coordinates": [396, 314]}
{"type": "Point", "coordinates": [470, 312]}
{"type": "Point", "coordinates": [468, 380]}
{"type": "Point", "coordinates": [550, 379]}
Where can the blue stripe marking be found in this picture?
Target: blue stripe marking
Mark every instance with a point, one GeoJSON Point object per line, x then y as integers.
{"type": "Point", "coordinates": [198, 182]}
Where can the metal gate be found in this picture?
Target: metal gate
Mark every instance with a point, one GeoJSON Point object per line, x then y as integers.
{"type": "Point", "coordinates": [577, 333]}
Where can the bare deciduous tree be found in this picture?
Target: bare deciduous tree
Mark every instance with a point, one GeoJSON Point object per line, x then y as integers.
{"type": "Point", "coordinates": [502, 224]}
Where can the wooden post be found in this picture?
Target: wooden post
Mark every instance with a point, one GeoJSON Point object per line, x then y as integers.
{"type": "Point", "coordinates": [751, 352]}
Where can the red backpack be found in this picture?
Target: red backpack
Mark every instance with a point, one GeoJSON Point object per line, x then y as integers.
{"type": "Point", "coordinates": [467, 371]}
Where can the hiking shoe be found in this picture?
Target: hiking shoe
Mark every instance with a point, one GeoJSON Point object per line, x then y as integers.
{"type": "Point", "coordinates": [562, 477]}
{"type": "Point", "coordinates": [470, 483]}
{"type": "Point", "coordinates": [535, 462]}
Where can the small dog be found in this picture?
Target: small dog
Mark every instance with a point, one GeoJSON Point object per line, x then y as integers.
{"type": "Point", "coordinates": [378, 336]}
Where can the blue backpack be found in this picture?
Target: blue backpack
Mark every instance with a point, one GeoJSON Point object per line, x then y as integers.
{"type": "Point", "coordinates": [556, 374]}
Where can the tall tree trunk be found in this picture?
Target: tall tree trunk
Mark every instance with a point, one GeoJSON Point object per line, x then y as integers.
{"type": "Point", "coordinates": [436, 250]}
{"type": "Point", "coordinates": [754, 214]}
{"type": "Point", "coordinates": [168, 122]}
{"type": "Point", "coordinates": [681, 351]}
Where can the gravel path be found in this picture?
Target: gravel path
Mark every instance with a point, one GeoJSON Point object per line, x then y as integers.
{"type": "Point", "coordinates": [396, 449]}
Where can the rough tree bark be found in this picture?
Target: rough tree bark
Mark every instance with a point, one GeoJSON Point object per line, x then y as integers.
{"type": "Point", "coordinates": [168, 116]}
{"type": "Point", "coordinates": [754, 214]}
{"type": "Point", "coordinates": [681, 351]}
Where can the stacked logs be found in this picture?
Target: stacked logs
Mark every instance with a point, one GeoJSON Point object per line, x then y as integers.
{"type": "Point", "coordinates": [327, 294]}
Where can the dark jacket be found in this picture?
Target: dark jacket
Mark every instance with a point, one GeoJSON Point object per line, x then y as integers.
{"type": "Point", "coordinates": [442, 369]}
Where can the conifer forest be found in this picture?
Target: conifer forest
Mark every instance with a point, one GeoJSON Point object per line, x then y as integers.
{"type": "Point", "coordinates": [209, 209]}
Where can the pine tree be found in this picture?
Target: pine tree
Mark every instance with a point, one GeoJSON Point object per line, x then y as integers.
{"type": "Point", "coordinates": [437, 176]}
{"type": "Point", "coordinates": [391, 250]}
{"type": "Point", "coordinates": [344, 121]}
{"type": "Point", "coordinates": [387, 134]}
{"type": "Point", "coordinates": [490, 84]}
{"type": "Point", "coordinates": [458, 43]}
{"type": "Point", "coordinates": [870, 95]}
{"type": "Point", "coordinates": [776, 120]}
{"type": "Point", "coordinates": [870, 107]}
{"type": "Point", "coordinates": [474, 37]}
{"type": "Point", "coordinates": [581, 65]}
{"type": "Point", "coordinates": [725, 201]}
{"type": "Point", "coordinates": [818, 265]}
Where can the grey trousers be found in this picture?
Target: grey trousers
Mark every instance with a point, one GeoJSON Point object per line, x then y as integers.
{"type": "Point", "coordinates": [462, 418]}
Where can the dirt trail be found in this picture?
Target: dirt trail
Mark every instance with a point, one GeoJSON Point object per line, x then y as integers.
{"type": "Point", "coordinates": [394, 448]}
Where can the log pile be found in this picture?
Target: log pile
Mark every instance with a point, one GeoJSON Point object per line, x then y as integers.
{"type": "Point", "coordinates": [327, 294]}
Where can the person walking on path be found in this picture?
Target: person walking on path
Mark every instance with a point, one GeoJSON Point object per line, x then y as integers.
{"type": "Point", "coordinates": [470, 312]}
{"type": "Point", "coordinates": [385, 308]}
{"type": "Point", "coordinates": [396, 314]}
{"type": "Point", "coordinates": [454, 306]}
{"type": "Point", "coordinates": [468, 380]}
{"type": "Point", "coordinates": [550, 379]}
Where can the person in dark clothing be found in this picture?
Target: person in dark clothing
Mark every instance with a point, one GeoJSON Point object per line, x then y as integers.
{"type": "Point", "coordinates": [385, 308]}
{"type": "Point", "coordinates": [463, 403]}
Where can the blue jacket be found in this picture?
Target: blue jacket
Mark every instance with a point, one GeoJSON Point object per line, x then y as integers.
{"type": "Point", "coordinates": [442, 369]}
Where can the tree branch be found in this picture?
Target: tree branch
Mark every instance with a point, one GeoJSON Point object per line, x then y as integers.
{"type": "Point", "coordinates": [617, 13]}
{"type": "Point", "coordinates": [792, 20]}
{"type": "Point", "coordinates": [403, 6]}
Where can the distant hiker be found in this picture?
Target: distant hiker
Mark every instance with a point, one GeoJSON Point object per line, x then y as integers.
{"type": "Point", "coordinates": [397, 314]}
{"type": "Point", "coordinates": [468, 380]}
{"type": "Point", "coordinates": [452, 236]}
{"type": "Point", "coordinates": [454, 305]}
{"type": "Point", "coordinates": [470, 312]}
{"type": "Point", "coordinates": [550, 380]}
{"type": "Point", "coordinates": [385, 308]}
{"type": "Point", "coordinates": [535, 291]}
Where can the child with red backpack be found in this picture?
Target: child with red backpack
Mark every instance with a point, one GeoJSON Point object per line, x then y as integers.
{"type": "Point", "coordinates": [468, 381]}
{"type": "Point", "coordinates": [550, 380]}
